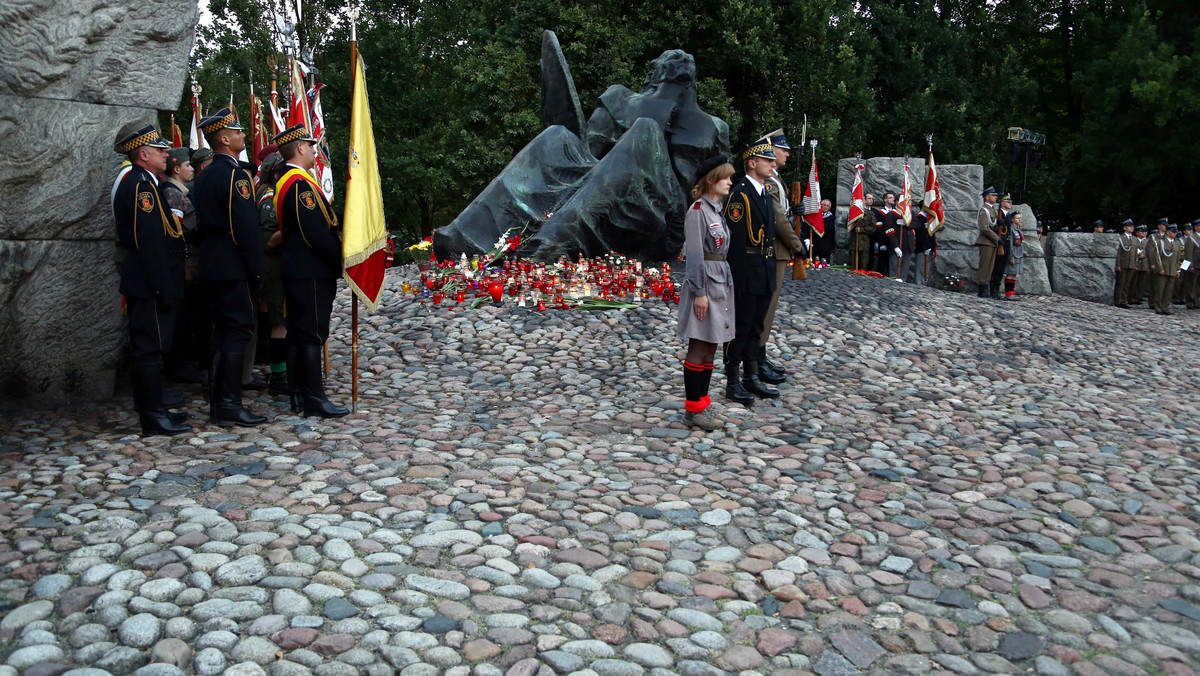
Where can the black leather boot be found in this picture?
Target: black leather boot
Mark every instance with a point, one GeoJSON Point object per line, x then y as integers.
{"type": "Point", "coordinates": [315, 401]}
{"type": "Point", "coordinates": [994, 290]}
{"type": "Point", "coordinates": [278, 383]}
{"type": "Point", "coordinates": [295, 376]}
{"type": "Point", "coordinates": [770, 372]}
{"type": "Point", "coordinates": [734, 390]}
{"type": "Point", "coordinates": [227, 410]}
{"type": "Point", "coordinates": [146, 379]}
{"type": "Point", "coordinates": [754, 384]}
{"type": "Point", "coordinates": [983, 291]}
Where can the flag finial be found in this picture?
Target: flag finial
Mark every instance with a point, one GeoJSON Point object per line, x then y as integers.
{"type": "Point", "coordinates": [929, 138]}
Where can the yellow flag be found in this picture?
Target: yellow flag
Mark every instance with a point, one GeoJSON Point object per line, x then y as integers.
{"type": "Point", "coordinates": [364, 233]}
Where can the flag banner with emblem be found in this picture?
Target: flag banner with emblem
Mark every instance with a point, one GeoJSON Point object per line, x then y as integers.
{"type": "Point", "coordinates": [858, 203]}
{"type": "Point", "coordinates": [933, 198]}
{"type": "Point", "coordinates": [242, 156]}
{"type": "Point", "coordinates": [904, 206]}
{"type": "Point", "coordinates": [812, 200]}
{"type": "Point", "coordinates": [258, 135]}
{"type": "Point", "coordinates": [277, 123]}
{"type": "Point", "coordinates": [321, 169]}
{"type": "Point", "coordinates": [196, 140]}
{"type": "Point", "coordinates": [298, 113]}
{"type": "Point", "coordinates": [176, 134]}
{"type": "Point", "coordinates": [364, 232]}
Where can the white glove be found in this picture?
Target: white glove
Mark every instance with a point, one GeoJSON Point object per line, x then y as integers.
{"type": "Point", "coordinates": [899, 253]}
{"type": "Point", "coordinates": [808, 244]}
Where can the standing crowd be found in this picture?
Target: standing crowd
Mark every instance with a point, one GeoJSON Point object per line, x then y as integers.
{"type": "Point", "coordinates": [1161, 268]}
{"type": "Point", "coordinates": [883, 243]}
{"type": "Point", "coordinates": [199, 264]}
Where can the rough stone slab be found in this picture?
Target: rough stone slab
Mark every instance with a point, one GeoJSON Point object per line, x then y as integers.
{"type": "Point", "coordinates": [55, 289]}
{"type": "Point", "coordinates": [63, 186]}
{"type": "Point", "coordinates": [99, 52]}
{"type": "Point", "coordinates": [1082, 244]}
{"type": "Point", "coordinates": [1084, 278]}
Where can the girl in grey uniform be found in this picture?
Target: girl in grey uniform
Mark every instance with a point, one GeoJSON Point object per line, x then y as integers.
{"type": "Point", "coordinates": [1016, 256]}
{"type": "Point", "coordinates": [706, 301]}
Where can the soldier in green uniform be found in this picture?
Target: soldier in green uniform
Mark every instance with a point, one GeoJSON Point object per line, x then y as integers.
{"type": "Point", "coordinates": [787, 246]}
{"type": "Point", "coordinates": [987, 241]}
{"type": "Point", "coordinates": [1126, 264]}
{"type": "Point", "coordinates": [269, 172]}
{"type": "Point", "coordinates": [861, 232]}
{"type": "Point", "coordinates": [1141, 269]}
{"type": "Point", "coordinates": [1165, 255]}
{"type": "Point", "coordinates": [1191, 253]}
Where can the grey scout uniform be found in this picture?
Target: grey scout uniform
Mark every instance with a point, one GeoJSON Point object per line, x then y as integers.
{"type": "Point", "coordinates": [706, 237]}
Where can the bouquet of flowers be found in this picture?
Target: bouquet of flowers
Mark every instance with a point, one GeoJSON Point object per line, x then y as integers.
{"type": "Point", "coordinates": [953, 282]}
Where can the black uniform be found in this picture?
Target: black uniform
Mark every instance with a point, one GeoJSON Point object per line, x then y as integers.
{"type": "Point", "coordinates": [751, 222]}
{"type": "Point", "coordinates": [311, 262]}
{"type": "Point", "coordinates": [152, 275]}
{"type": "Point", "coordinates": [232, 265]}
{"type": "Point", "coordinates": [879, 251]}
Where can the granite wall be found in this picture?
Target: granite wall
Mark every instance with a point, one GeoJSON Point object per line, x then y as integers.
{"type": "Point", "coordinates": [962, 185]}
{"type": "Point", "coordinates": [71, 73]}
{"type": "Point", "coordinates": [1083, 264]}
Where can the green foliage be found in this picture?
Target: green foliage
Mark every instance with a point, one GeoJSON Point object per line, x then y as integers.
{"type": "Point", "coordinates": [455, 87]}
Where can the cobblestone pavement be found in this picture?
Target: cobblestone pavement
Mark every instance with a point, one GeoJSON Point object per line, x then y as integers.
{"type": "Point", "coordinates": [948, 485]}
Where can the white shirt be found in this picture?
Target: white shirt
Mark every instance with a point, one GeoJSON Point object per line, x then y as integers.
{"type": "Point", "coordinates": [757, 186]}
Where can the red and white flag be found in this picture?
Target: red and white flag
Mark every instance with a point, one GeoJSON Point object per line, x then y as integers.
{"type": "Point", "coordinates": [858, 204]}
{"type": "Point", "coordinates": [299, 113]}
{"type": "Point", "coordinates": [812, 200]}
{"type": "Point", "coordinates": [321, 169]}
{"type": "Point", "coordinates": [904, 206]}
{"type": "Point", "coordinates": [277, 123]}
{"type": "Point", "coordinates": [196, 140]}
{"type": "Point", "coordinates": [933, 198]}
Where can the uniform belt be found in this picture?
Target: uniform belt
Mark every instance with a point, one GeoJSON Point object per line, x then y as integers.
{"type": "Point", "coordinates": [714, 257]}
{"type": "Point", "coordinates": [761, 251]}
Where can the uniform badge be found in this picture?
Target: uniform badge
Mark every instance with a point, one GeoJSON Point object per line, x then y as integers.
{"type": "Point", "coordinates": [716, 232]}
{"type": "Point", "coordinates": [735, 212]}
{"type": "Point", "coordinates": [307, 199]}
{"type": "Point", "coordinates": [243, 188]}
{"type": "Point", "coordinates": [145, 201]}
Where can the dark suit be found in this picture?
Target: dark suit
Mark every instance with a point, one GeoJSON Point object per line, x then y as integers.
{"type": "Point", "coordinates": [232, 264]}
{"type": "Point", "coordinates": [311, 262]}
{"type": "Point", "coordinates": [152, 274]}
{"type": "Point", "coordinates": [750, 218]}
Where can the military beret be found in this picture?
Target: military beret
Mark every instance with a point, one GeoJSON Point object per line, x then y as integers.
{"type": "Point", "coordinates": [222, 119]}
{"type": "Point", "coordinates": [758, 149]}
{"type": "Point", "coordinates": [200, 156]}
{"type": "Point", "coordinates": [131, 137]}
{"type": "Point", "coordinates": [989, 191]}
{"type": "Point", "coordinates": [707, 166]}
{"type": "Point", "coordinates": [176, 157]}
{"type": "Point", "coordinates": [267, 150]}
{"type": "Point", "coordinates": [270, 164]}
{"type": "Point", "coordinates": [296, 132]}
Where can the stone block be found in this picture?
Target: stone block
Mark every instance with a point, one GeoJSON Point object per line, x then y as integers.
{"type": "Point", "coordinates": [1083, 244]}
{"type": "Point", "coordinates": [58, 157]}
{"type": "Point", "coordinates": [119, 53]}
{"type": "Point", "coordinates": [60, 335]}
{"type": "Point", "coordinates": [1034, 279]}
{"type": "Point", "coordinates": [1086, 278]}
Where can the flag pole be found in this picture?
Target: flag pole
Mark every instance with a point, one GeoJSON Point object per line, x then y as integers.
{"type": "Point", "coordinates": [353, 13]}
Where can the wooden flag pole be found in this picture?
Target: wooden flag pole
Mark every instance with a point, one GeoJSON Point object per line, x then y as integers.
{"type": "Point", "coordinates": [353, 296]}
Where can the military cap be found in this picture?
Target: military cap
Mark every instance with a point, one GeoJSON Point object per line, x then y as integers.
{"type": "Point", "coordinates": [1097, 223]}
{"type": "Point", "coordinates": [776, 138]}
{"type": "Point", "coordinates": [1142, 228]}
{"type": "Point", "coordinates": [1006, 197]}
{"type": "Point", "coordinates": [1185, 226]}
{"type": "Point", "coordinates": [131, 137]}
{"type": "Point", "coordinates": [989, 191]}
{"type": "Point", "coordinates": [200, 156]}
{"type": "Point", "coordinates": [176, 157]}
{"type": "Point", "coordinates": [710, 164]}
{"type": "Point", "coordinates": [222, 119]}
{"type": "Point", "coordinates": [296, 132]}
{"type": "Point", "coordinates": [1163, 221]}
{"type": "Point", "coordinates": [1196, 222]}
{"type": "Point", "coordinates": [759, 149]}
{"type": "Point", "coordinates": [1127, 221]}
{"type": "Point", "coordinates": [1172, 228]}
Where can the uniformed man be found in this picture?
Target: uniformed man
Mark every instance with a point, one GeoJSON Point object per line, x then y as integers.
{"type": "Point", "coordinates": [787, 246]}
{"type": "Point", "coordinates": [1141, 268]}
{"type": "Point", "coordinates": [893, 233]}
{"type": "Point", "coordinates": [269, 173]}
{"type": "Point", "coordinates": [310, 267]}
{"type": "Point", "coordinates": [151, 272]}
{"type": "Point", "coordinates": [1098, 226]}
{"type": "Point", "coordinates": [750, 217]}
{"type": "Point", "coordinates": [1003, 229]}
{"type": "Point", "coordinates": [1165, 255]}
{"type": "Point", "coordinates": [1126, 264]}
{"type": "Point", "coordinates": [191, 330]}
{"type": "Point", "coordinates": [860, 235]}
{"type": "Point", "coordinates": [987, 241]}
{"type": "Point", "coordinates": [883, 253]}
{"type": "Point", "coordinates": [923, 244]}
{"type": "Point", "coordinates": [231, 264]}
{"type": "Point", "coordinates": [1188, 278]}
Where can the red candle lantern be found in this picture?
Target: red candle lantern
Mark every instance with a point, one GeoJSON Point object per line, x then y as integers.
{"type": "Point", "coordinates": [496, 289]}
{"type": "Point", "coordinates": [437, 297]}
{"type": "Point", "coordinates": [541, 305]}
{"type": "Point", "coordinates": [460, 296]}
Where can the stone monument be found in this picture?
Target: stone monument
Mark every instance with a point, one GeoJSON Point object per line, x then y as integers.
{"type": "Point", "coordinates": [1083, 264]}
{"type": "Point", "coordinates": [71, 73]}
{"type": "Point", "coordinates": [618, 182]}
{"type": "Point", "coordinates": [962, 188]}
